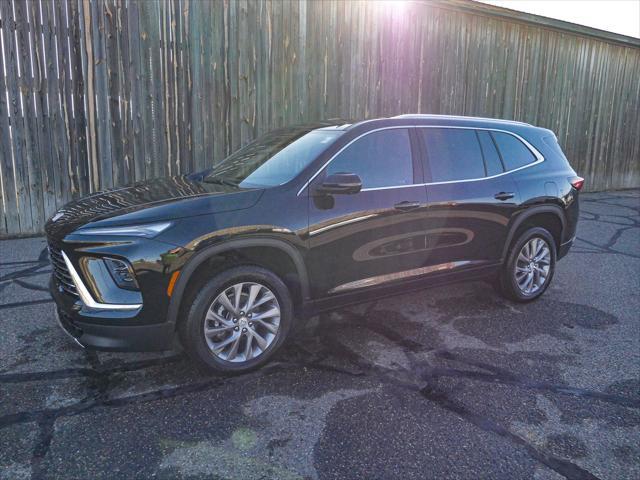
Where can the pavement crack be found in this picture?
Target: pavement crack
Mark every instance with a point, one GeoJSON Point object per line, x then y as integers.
{"type": "Point", "coordinates": [99, 397]}
{"type": "Point", "coordinates": [25, 272]}
{"type": "Point", "coordinates": [6, 306]}
{"type": "Point", "coordinates": [561, 466]}
{"type": "Point", "coordinates": [420, 379]}
{"type": "Point", "coordinates": [526, 383]}
{"type": "Point", "coordinates": [30, 286]}
{"type": "Point", "coordinates": [94, 371]}
{"type": "Point", "coordinates": [41, 448]}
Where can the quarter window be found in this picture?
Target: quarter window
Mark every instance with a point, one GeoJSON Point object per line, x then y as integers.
{"type": "Point", "coordinates": [453, 154]}
{"type": "Point", "coordinates": [514, 153]}
{"type": "Point", "coordinates": [380, 159]}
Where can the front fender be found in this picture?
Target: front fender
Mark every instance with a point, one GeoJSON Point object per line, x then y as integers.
{"type": "Point", "coordinates": [193, 263]}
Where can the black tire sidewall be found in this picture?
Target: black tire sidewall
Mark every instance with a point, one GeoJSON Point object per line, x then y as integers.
{"type": "Point", "coordinates": [191, 329]}
{"type": "Point", "coordinates": [507, 277]}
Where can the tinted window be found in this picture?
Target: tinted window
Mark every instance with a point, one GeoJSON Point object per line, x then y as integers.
{"type": "Point", "coordinates": [380, 159]}
{"type": "Point", "coordinates": [491, 158]}
{"type": "Point", "coordinates": [453, 154]}
{"type": "Point", "coordinates": [273, 159]}
{"type": "Point", "coordinates": [514, 153]}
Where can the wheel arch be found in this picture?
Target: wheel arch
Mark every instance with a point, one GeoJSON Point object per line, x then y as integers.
{"type": "Point", "coordinates": [548, 211]}
{"type": "Point", "coordinates": [192, 265]}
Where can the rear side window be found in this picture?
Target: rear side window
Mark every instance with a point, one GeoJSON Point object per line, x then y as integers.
{"type": "Point", "coordinates": [490, 154]}
{"type": "Point", "coordinates": [452, 154]}
{"type": "Point", "coordinates": [514, 153]}
{"type": "Point", "coordinates": [380, 159]}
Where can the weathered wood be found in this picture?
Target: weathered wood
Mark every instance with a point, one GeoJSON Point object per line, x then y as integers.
{"type": "Point", "coordinates": [39, 98]}
{"type": "Point", "coordinates": [120, 18]}
{"type": "Point", "coordinates": [11, 210]}
{"type": "Point", "coordinates": [111, 57]}
{"type": "Point", "coordinates": [210, 27]}
{"type": "Point", "coordinates": [102, 93]}
{"type": "Point", "coordinates": [30, 112]}
{"type": "Point", "coordinates": [16, 109]}
{"type": "Point", "coordinates": [78, 166]}
{"type": "Point", "coordinates": [99, 32]}
{"type": "Point", "coordinates": [133, 79]}
{"type": "Point", "coordinates": [151, 88]}
{"type": "Point", "coordinates": [183, 127]}
{"type": "Point", "coordinates": [43, 53]}
{"type": "Point", "coordinates": [195, 21]}
{"type": "Point", "coordinates": [59, 148]}
{"type": "Point", "coordinates": [89, 97]}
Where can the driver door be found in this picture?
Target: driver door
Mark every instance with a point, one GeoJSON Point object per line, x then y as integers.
{"type": "Point", "coordinates": [372, 237]}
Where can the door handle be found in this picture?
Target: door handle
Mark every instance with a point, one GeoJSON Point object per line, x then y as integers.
{"type": "Point", "coordinates": [504, 195]}
{"type": "Point", "coordinates": [406, 205]}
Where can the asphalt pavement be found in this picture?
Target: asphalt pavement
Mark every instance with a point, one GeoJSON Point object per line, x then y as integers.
{"type": "Point", "coordinates": [453, 382]}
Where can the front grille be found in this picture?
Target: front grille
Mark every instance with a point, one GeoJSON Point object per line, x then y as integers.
{"type": "Point", "coordinates": [60, 271]}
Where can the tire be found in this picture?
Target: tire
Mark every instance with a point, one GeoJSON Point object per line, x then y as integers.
{"type": "Point", "coordinates": [511, 282]}
{"type": "Point", "coordinates": [208, 311]}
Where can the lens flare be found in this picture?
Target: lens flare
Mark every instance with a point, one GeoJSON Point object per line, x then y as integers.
{"type": "Point", "coordinates": [396, 6]}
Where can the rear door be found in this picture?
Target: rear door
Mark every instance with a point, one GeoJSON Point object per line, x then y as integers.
{"type": "Point", "coordinates": [470, 197]}
{"type": "Point", "coordinates": [369, 238]}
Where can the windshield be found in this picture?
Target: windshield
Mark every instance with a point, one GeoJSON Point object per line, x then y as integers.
{"type": "Point", "coordinates": [273, 159]}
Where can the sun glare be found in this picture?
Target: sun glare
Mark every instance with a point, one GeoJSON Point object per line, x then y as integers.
{"type": "Point", "coordinates": [393, 5]}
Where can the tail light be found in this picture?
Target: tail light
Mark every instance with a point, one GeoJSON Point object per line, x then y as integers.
{"type": "Point", "coordinates": [576, 182]}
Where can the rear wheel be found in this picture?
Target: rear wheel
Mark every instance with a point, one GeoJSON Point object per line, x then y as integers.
{"type": "Point", "coordinates": [238, 320]}
{"type": "Point", "coordinates": [530, 266]}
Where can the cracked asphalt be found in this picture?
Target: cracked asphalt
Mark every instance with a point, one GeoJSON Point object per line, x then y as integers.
{"type": "Point", "coordinates": [453, 382]}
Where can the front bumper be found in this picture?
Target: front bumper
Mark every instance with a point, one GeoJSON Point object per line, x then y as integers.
{"type": "Point", "coordinates": [92, 329]}
{"type": "Point", "coordinates": [565, 247]}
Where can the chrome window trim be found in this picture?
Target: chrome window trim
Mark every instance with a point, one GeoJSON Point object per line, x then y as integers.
{"type": "Point", "coordinates": [393, 186]}
{"type": "Point", "coordinates": [532, 149]}
{"type": "Point", "coordinates": [341, 150]}
{"type": "Point", "coordinates": [86, 297]}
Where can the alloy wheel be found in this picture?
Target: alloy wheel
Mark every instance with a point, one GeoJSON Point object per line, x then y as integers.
{"type": "Point", "coordinates": [242, 322]}
{"type": "Point", "coordinates": [532, 266]}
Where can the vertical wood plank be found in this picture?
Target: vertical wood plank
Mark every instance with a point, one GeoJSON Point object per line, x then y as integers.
{"type": "Point", "coordinates": [121, 14]}
{"type": "Point", "coordinates": [16, 108]}
{"type": "Point", "coordinates": [151, 89]}
{"type": "Point", "coordinates": [196, 14]}
{"type": "Point", "coordinates": [136, 99]}
{"type": "Point", "coordinates": [113, 100]}
{"type": "Point", "coordinates": [11, 207]}
{"type": "Point", "coordinates": [80, 170]}
{"type": "Point", "coordinates": [185, 86]}
{"type": "Point", "coordinates": [39, 98]}
{"type": "Point", "coordinates": [88, 61]}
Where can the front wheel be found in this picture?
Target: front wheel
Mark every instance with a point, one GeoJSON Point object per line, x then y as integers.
{"type": "Point", "coordinates": [530, 266]}
{"type": "Point", "coordinates": [238, 320]}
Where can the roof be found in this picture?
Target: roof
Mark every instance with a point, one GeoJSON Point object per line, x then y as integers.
{"type": "Point", "coordinates": [424, 116]}
{"type": "Point", "coordinates": [415, 119]}
{"type": "Point", "coordinates": [537, 21]}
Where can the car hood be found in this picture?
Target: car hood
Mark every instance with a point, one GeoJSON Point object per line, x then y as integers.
{"type": "Point", "coordinates": [149, 201]}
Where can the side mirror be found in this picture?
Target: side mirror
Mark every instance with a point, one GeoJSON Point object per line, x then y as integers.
{"type": "Point", "coordinates": [340, 183]}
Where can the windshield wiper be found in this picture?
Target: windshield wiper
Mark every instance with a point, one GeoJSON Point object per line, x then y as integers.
{"type": "Point", "coordinates": [220, 181]}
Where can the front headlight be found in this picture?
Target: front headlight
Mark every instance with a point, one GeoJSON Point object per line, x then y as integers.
{"type": "Point", "coordinates": [122, 273]}
{"type": "Point", "coordinates": [148, 230]}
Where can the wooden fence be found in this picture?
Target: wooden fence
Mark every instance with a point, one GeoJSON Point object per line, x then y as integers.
{"type": "Point", "coordinates": [97, 94]}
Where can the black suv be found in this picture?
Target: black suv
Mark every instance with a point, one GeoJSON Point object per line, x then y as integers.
{"type": "Point", "coordinates": [306, 219]}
